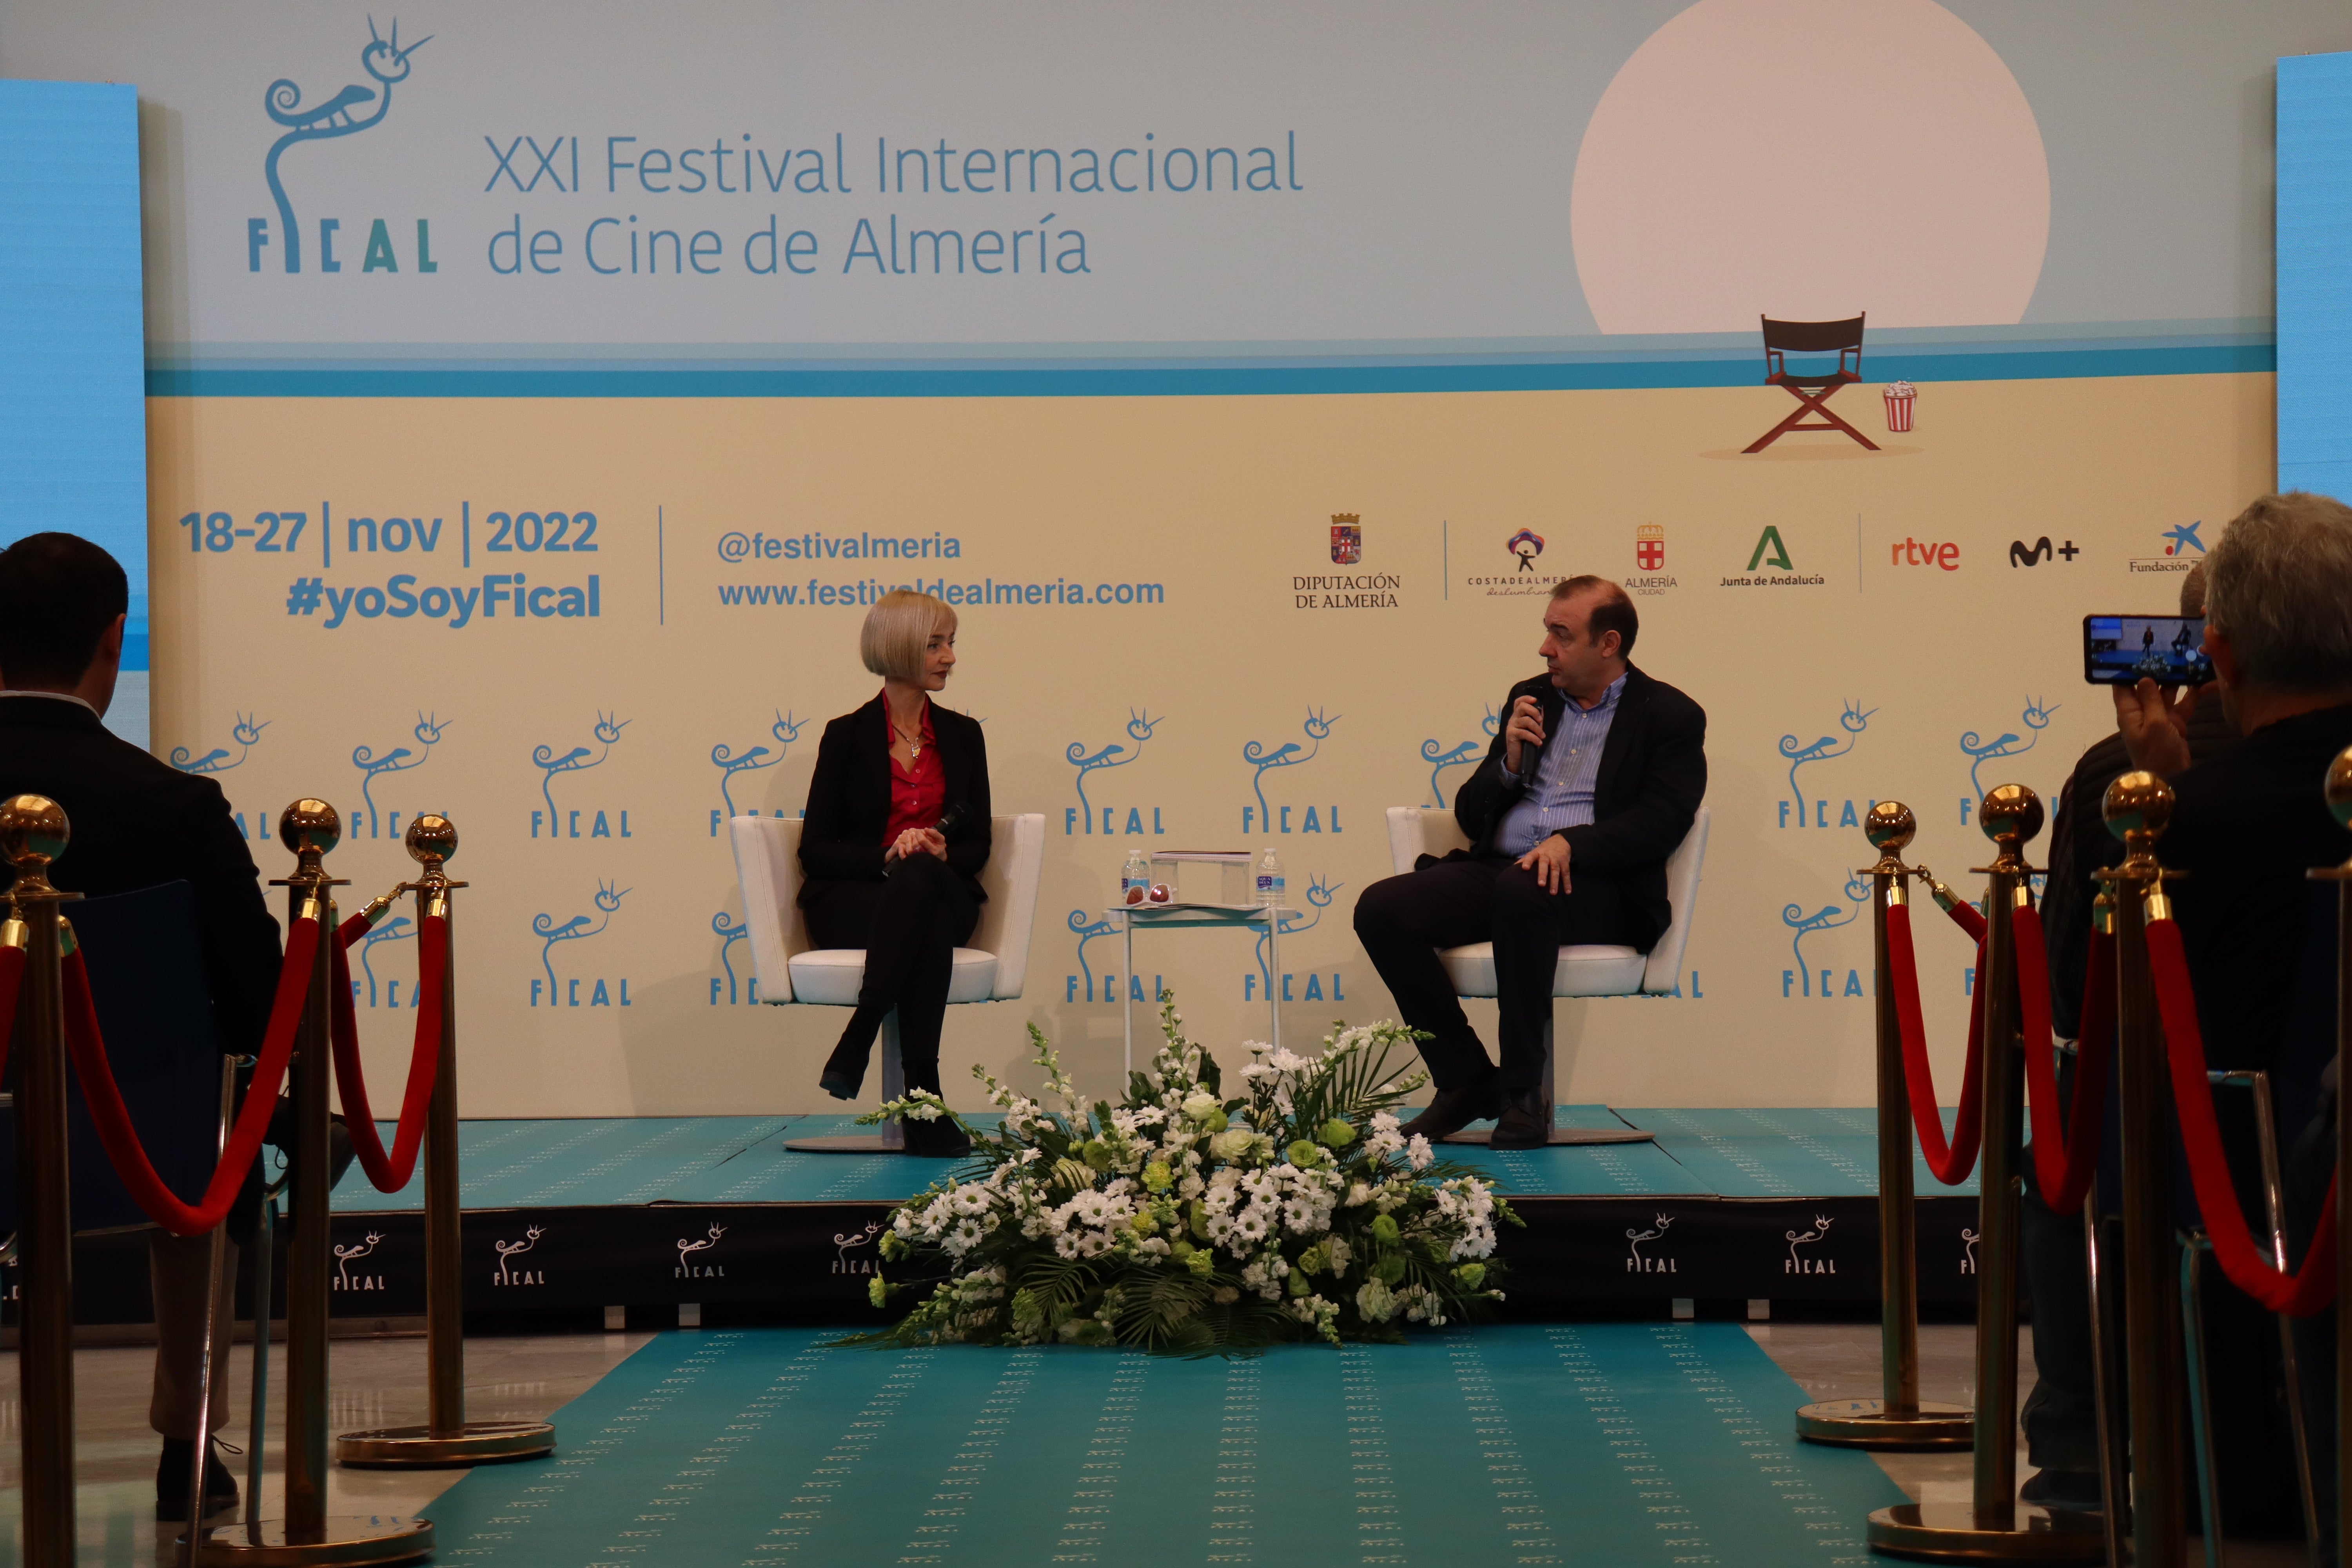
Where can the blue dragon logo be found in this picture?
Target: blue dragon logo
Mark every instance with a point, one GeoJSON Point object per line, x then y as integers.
{"type": "Point", "coordinates": [786, 729]}
{"type": "Point", "coordinates": [1439, 758]}
{"type": "Point", "coordinates": [1086, 931]}
{"type": "Point", "coordinates": [544, 927]}
{"type": "Point", "coordinates": [1319, 893]}
{"type": "Point", "coordinates": [387, 62]}
{"type": "Point", "coordinates": [2036, 718]}
{"type": "Point", "coordinates": [1853, 721]}
{"type": "Point", "coordinates": [399, 760]}
{"type": "Point", "coordinates": [1828, 918]}
{"type": "Point", "coordinates": [247, 734]}
{"type": "Point", "coordinates": [398, 928]}
{"type": "Point", "coordinates": [1140, 725]}
{"type": "Point", "coordinates": [608, 731]}
{"type": "Point", "coordinates": [1289, 755]}
{"type": "Point", "coordinates": [730, 933]}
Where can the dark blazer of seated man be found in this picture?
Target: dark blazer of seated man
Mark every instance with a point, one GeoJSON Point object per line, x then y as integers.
{"type": "Point", "coordinates": [136, 823]}
{"type": "Point", "coordinates": [1589, 788]}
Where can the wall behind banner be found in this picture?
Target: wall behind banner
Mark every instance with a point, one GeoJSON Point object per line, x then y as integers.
{"type": "Point", "coordinates": [535, 399]}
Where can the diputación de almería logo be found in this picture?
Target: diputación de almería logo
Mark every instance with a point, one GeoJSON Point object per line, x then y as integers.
{"type": "Point", "coordinates": [336, 116]}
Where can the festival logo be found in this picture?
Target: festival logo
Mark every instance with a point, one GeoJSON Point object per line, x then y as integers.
{"type": "Point", "coordinates": [1347, 539]}
{"type": "Point", "coordinates": [1800, 754]}
{"type": "Point", "coordinates": [1968, 1254]}
{"type": "Point", "coordinates": [1637, 1264]}
{"type": "Point", "coordinates": [1259, 987]}
{"type": "Point", "coordinates": [1441, 757]}
{"type": "Point", "coordinates": [857, 1241]}
{"type": "Point", "coordinates": [1289, 755]}
{"type": "Point", "coordinates": [729, 762]}
{"type": "Point", "coordinates": [398, 928]}
{"type": "Point", "coordinates": [2036, 719]}
{"type": "Point", "coordinates": [347, 1256]}
{"type": "Point", "coordinates": [399, 760]}
{"type": "Point", "coordinates": [1807, 1263]}
{"type": "Point", "coordinates": [245, 733]}
{"type": "Point", "coordinates": [1769, 564]}
{"type": "Point", "coordinates": [345, 114]}
{"type": "Point", "coordinates": [549, 931]}
{"type": "Point", "coordinates": [688, 1268]}
{"type": "Point", "coordinates": [1829, 917]}
{"type": "Point", "coordinates": [1080, 818]}
{"type": "Point", "coordinates": [730, 932]}
{"type": "Point", "coordinates": [2182, 549]}
{"type": "Point", "coordinates": [2021, 555]}
{"type": "Point", "coordinates": [1084, 981]}
{"type": "Point", "coordinates": [507, 1251]}
{"type": "Point", "coordinates": [579, 759]}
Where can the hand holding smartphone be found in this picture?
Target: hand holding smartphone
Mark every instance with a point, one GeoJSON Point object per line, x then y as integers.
{"type": "Point", "coordinates": [2124, 650]}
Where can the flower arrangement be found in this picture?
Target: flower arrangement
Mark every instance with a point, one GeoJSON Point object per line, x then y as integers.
{"type": "Point", "coordinates": [1187, 1220]}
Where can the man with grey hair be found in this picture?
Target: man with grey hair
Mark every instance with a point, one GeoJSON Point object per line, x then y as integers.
{"type": "Point", "coordinates": [2246, 826]}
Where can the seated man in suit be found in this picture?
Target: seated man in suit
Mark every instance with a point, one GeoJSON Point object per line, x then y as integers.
{"type": "Point", "coordinates": [1589, 788]}
{"type": "Point", "coordinates": [136, 823]}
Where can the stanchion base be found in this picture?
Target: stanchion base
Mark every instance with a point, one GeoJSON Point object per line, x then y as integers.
{"type": "Point", "coordinates": [846, 1143]}
{"type": "Point", "coordinates": [1566, 1135]}
{"type": "Point", "coordinates": [421, 1449]}
{"type": "Point", "coordinates": [1866, 1423]}
{"type": "Point", "coordinates": [1956, 1533]}
{"type": "Point", "coordinates": [348, 1541]}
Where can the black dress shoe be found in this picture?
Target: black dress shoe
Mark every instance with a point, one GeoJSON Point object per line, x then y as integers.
{"type": "Point", "coordinates": [941, 1140]}
{"type": "Point", "coordinates": [171, 1482]}
{"type": "Point", "coordinates": [1454, 1108]}
{"type": "Point", "coordinates": [1526, 1120]}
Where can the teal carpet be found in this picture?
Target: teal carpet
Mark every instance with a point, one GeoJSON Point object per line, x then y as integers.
{"type": "Point", "coordinates": [1611, 1444]}
{"type": "Point", "coordinates": [1785, 1154]}
{"type": "Point", "coordinates": [588, 1161]}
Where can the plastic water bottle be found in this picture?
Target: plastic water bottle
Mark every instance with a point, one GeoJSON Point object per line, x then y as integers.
{"type": "Point", "coordinates": [1135, 878]}
{"type": "Point", "coordinates": [1269, 878]}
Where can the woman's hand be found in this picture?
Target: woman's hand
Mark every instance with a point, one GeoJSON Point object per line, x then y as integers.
{"type": "Point", "coordinates": [916, 841]}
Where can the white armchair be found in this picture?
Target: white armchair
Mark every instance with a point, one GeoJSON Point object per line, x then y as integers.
{"type": "Point", "coordinates": [1595, 970]}
{"type": "Point", "coordinates": [787, 970]}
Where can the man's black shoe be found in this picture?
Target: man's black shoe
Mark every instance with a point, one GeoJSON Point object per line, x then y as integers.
{"type": "Point", "coordinates": [1454, 1109]}
{"type": "Point", "coordinates": [171, 1482]}
{"type": "Point", "coordinates": [939, 1140]}
{"type": "Point", "coordinates": [1526, 1120]}
{"type": "Point", "coordinates": [2074, 1489]}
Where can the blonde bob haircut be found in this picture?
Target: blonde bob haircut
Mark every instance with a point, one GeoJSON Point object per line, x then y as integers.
{"type": "Point", "coordinates": [898, 630]}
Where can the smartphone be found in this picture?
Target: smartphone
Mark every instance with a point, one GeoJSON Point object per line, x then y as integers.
{"type": "Point", "coordinates": [2122, 650]}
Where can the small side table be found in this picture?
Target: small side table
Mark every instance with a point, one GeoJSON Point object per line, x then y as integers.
{"type": "Point", "coordinates": [1165, 917]}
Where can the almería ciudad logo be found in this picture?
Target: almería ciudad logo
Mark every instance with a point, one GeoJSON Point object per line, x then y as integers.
{"type": "Point", "coordinates": [355, 109]}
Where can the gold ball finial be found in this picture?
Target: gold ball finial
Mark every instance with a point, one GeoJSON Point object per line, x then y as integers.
{"type": "Point", "coordinates": [309, 826]}
{"type": "Point", "coordinates": [432, 839]}
{"type": "Point", "coordinates": [33, 831]}
{"type": "Point", "coordinates": [2139, 805]}
{"type": "Point", "coordinates": [1890, 827]}
{"type": "Point", "coordinates": [2339, 786]}
{"type": "Point", "coordinates": [2010, 814]}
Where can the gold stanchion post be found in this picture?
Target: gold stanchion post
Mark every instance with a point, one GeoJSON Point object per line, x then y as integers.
{"type": "Point", "coordinates": [1898, 1419]}
{"type": "Point", "coordinates": [308, 1536]}
{"type": "Point", "coordinates": [33, 833]}
{"type": "Point", "coordinates": [447, 1438]}
{"type": "Point", "coordinates": [2339, 788]}
{"type": "Point", "coordinates": [1993, 1526]}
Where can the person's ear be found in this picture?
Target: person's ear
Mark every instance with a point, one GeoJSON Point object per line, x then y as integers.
{"type": "Point", "coordinates": [2224, 657]}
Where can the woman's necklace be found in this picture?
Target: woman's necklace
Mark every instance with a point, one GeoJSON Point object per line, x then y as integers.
{"type": "Point", "coordinates": [914, 739]}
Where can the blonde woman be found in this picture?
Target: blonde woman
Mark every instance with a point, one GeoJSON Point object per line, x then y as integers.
{"type": "Point", "coordinates": [895, 835]}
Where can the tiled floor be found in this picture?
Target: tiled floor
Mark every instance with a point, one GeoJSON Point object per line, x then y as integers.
{"type": "Point", "coordinates": [380, 1382]}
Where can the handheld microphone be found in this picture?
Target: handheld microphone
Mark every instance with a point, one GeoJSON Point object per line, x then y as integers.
{"type": "Point", "coordinates": [949, 821]}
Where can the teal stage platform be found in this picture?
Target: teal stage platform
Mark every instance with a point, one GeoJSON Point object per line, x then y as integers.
{"type": "Point", "coordinates": [1626, 1444]}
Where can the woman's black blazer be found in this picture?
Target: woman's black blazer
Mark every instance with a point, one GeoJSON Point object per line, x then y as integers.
{"type": "Point", "coordinates": [849, 799]}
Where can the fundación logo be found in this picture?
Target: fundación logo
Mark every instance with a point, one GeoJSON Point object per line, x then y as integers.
{"type": "Point", "coordinates": [2019, 555]}
{"type": "Point", "coordinates": [345, 114]}
{"type": "Point", "coordinates": [1769, 563]}
{"type": "Point", "coordinates": [1355, 591]}
{"type": "Point", "coordinates": [2179, 544]}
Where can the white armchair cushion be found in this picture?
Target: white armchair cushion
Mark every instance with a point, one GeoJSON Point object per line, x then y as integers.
{"type": "Point", "coordinates": [831, 976]}
{"type": "Point", "coordinates": [1598, 970]}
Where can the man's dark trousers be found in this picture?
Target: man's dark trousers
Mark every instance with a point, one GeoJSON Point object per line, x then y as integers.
{"type": "Point", "coordinates": [1403, 921]}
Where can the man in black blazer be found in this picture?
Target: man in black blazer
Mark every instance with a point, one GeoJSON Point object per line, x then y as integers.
{"type": "Point", "coordinates": [1591, 784]}
{"type": "Point", "coordinates": [136, 823]}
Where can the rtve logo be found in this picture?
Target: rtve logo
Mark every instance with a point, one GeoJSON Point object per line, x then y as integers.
{"type": "Point", "coordinates": [1909, 552]}
{"type": "Point", "coordinates": [332, 119]}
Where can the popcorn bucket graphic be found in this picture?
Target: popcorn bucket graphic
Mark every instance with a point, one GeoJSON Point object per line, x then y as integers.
{"type": "Point", "coordinates": [1899, 397]}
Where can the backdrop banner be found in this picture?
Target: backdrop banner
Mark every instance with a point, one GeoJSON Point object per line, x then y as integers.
{"type": "Point", "coordinates": [536, 399]}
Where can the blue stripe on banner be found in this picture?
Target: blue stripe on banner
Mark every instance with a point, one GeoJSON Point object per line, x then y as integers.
{"type": "Point", "coordinates": [1163, 380]}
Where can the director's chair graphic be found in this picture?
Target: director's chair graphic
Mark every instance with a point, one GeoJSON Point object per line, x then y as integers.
{"type": "Point", "coordinates": [1811, 389]}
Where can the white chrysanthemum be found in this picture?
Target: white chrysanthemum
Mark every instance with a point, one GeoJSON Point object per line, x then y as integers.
{"type": "Point", "coordinates": [1419, 1153]}
{"type": "Point", "coordinates": [963, 1238]}
{"type": "Point", "coordinates": [1359, 1195]}
{"type": "Point", "coordinates": [1249, 1228]}
{"type": "Point", "coordinates": [1284, 1059]}
{"type": "Point", "coordinates": [1220, 1226]}
{"type": "Point", "coordinates": [1191, 1186]}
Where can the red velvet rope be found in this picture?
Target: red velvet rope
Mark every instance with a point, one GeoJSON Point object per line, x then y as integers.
{"type": "Point", "coordinates": [1970, 918]}
{"type": "Point", "coordinates": [351, 929]}
{"type": "Point", "coordinates": [12, 973]}
{"type": "Point", "coordinates": [1950, 1161]}
{"type": "Point", "coordinates": [113, 1119]}
{"type": "Point", "coordinates": [391, 1173]}
{"type": "Point", "coordinates": [2065, 1164]}
{"type": "Point", "coordinates": [2312, 1287]}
